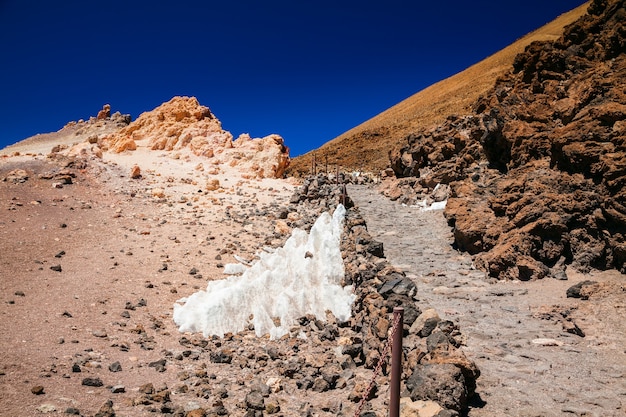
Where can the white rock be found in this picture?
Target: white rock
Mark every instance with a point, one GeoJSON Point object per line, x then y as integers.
{"type": "Point", "coordinates": [547, 342]}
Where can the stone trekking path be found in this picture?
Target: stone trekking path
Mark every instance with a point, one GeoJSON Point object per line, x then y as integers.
{"type": "Point", "coordinates": [514, 331]}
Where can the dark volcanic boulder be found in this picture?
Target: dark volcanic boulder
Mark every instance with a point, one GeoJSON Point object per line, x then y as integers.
{"type": "Point", "coordinates": [442, 383]}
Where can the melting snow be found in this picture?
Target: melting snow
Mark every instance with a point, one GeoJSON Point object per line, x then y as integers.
{"type": "Point", "coordinates": [280, 287]}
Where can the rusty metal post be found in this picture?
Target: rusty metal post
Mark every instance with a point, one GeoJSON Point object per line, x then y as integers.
{"type": "Point", "coordinates": [337, 175]}
{"type": "Point", "coordinates": [344, 194]}
{"type": "Point", "coordinates": [396, 363]}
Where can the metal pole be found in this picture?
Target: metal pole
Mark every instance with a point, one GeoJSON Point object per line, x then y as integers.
{"type": "Point", "coordinates": [396, 363]}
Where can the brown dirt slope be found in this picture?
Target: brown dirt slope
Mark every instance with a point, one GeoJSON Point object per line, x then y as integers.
{"type": "Point", "coordinates": [367, 145]}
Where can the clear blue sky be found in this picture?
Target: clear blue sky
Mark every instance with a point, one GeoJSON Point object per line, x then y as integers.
{"type": "Point", "coordinates": [307, 70]}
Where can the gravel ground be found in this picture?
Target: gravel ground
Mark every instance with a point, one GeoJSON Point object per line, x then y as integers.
{"type": "Point", "coordinates": [522, 335]}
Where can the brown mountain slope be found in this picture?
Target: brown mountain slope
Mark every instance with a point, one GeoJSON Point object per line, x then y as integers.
{"type": "Point", "coordinates": [537, 170]}
{"type": "Point", "coordinates": [366, 146]}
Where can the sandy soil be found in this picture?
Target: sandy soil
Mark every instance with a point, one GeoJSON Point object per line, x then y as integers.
{"type": "Point", "coordinates": [118, 245]}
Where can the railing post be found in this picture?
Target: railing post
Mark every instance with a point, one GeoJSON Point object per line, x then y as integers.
{"type": "Point", "coordinates": [396, 363]}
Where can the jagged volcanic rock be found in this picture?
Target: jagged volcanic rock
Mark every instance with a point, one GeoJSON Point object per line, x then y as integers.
{"type": "Point", "coordinates": [182, 123]}
{"type": "Point", "coordinates": [538, 171]}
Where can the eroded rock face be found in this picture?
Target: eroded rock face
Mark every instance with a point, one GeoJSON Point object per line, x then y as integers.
{"type": "Point", "coordinates": [182, 123]}
{"type": "Point", "coordinates": [538, 172]}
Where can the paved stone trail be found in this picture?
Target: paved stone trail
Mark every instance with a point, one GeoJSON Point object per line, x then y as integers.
{"type": "Point", "coordinates": [521, 376]}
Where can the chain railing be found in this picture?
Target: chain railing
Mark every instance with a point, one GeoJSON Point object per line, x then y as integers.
{"type": "Point", "coordinates": [396, 368]}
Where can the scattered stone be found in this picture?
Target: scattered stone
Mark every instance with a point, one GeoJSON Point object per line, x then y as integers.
{"type": "Point", "coordinates": [221, 356]}
{"type": "Point", "coordinates": [37, 390]}
{"type": "Point", "coordinates": [147, 389]}
{"type": "Point", "coordinates": [409, 408]}
{"type": "Point", "coordinates": [47, 408]}
{"type": "Point", "coordinates": [135, 172]}
{"type": "Point", "coordinates": [158, 365]}
{"type": "Point", "coordinates": [425, 323]}
{"type": "Point", "coordinates": [117, 389]}
{"type": "Point", "coordinates": [442, 383]}
{"type": "Point", "coordinates": [92, 382]}
{"type": "Point", "coordinates": [20, 293]}
{"type": "Point", "coordinates": [272, 407]}
{"type": "Point", "coordinates": [115, 367]}
{"type": "Point", "coordinates": [571, 327]}
{"type": "Point", "coordinates": [72, 411]}
{"type": "Point", "coordinates": [255, 401]}
{"type": "Point", "coordinates": [17, 176]}
{"type": "Point", "coordinates": [198, 412]}
{"type": "Point", "coordinates": [547, 342]}
{"type": "Point", "coordinates": [212, 184]}
{"type": "Point", "coordinates": [99, 333]}
{"type": "Point", "coordinates": [106, 410]}
{"type": "Point", "coordinates": [577, 290]}
{"type": "Point", "coordinates": [56, 268]}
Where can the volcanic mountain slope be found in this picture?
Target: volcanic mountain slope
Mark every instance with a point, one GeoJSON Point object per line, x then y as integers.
{"type": "Point", "coordinates": [538, 171]}
{"type": "Point", "coordinates": [366, 147]}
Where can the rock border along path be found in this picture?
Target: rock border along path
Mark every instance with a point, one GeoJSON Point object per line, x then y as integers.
{"type": "Point", "coordinates": [530, 365]}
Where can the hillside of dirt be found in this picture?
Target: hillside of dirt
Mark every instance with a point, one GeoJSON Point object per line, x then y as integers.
{"type": "Point", "coordinates": [366, 147]}
{"type": "Point", "coordinates": [110, 229]}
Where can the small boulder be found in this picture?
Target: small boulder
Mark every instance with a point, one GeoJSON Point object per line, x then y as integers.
{"type": "Point", "coordinates": [425, 323]}
{"type": "Point", "coordinates": [135, 172]}
{"type": "Point", "coordinates": [577, 290]}
{"type": "Point", "coordinates": [442, 383]}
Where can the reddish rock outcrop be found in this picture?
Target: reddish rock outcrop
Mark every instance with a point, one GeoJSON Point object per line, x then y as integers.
{"type": "Point", "coordinates": [182, 123]}
{"type": "Point", "coordinates": [538, 172]}
{"type": "Point", "coordinates": [105, 112]}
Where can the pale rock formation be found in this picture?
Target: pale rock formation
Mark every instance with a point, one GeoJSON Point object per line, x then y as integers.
{"type": "Point", "coordinates": [418, 408]}
{"type": "Point", "coordinates": [85, 150]}
{"type": "Point", "coordinates": [182, 123]}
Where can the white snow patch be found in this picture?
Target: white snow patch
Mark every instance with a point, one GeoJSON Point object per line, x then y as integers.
{"type": "Point", "coordinates": [438, 205]}
{"type": "Point", "coordinates": [234, 269]}
{"type": "Point", "coordinates": [276, 290]}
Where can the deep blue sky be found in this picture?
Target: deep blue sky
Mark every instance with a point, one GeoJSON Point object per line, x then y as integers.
{"type": "Point", "coordinates": [307, 70]}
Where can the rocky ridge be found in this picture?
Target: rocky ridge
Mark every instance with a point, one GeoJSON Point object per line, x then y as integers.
{"type": "Point", "coordinates": [183, 123]}
{"type": "Point", "coordinates": [537, 172]}
{"type": "Point", "coordinates": [179, 125]}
